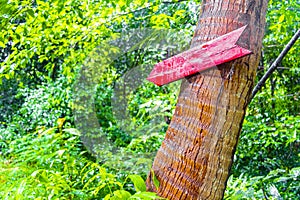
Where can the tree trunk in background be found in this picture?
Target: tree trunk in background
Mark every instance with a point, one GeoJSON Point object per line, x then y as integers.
{"type": "Point", "coordinates": [197, 153]}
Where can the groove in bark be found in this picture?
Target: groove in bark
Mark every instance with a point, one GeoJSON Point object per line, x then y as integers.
{"type": "Point", "coordinates": [197, 153]}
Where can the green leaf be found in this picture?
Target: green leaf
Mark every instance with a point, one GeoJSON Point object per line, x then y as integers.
{"type": "Point", "coordinates": [145, 196]}
{"type": "Point", "coordinates": [138, 182]}
{"type": "Point", "coordinates": [2, 45]}
{"type": "Point", "coordinates": [155, 180]}
{"type": "Point", "coordinates": [30, 12]}
{"type": "Point", "coordinates": [281, 18]}
{"type": "Point", "coordinates": [119, 195]}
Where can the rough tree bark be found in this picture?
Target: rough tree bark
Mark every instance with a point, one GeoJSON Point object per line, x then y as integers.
{"type": "Point", "coordinates": [197, 153]}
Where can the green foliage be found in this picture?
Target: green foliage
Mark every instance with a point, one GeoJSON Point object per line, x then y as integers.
{"type": "Point", "coordinates": [272, 145]}
{"type": "Point", "coordinates": [38, 107]}
{"type": "Point", "coordinates": [43, 45]}
{"type": "Point", "coordinates": [54, 164]}
{"type": "Point", "coordinates": [277, 184]}
{"type": "Point", "coordinates": [267, 159]}
{"type": "Point", "coordinates": [45, 104]}
{"type": "Point", "coordinates": [281, 91]}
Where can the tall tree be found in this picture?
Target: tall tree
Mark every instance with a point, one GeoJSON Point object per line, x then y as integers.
{"type": "Point", "coordinates": [197, 153]}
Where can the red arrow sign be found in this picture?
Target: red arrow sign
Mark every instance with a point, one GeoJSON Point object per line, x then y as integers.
{"type": "Point", "coordinates": [197, 59]}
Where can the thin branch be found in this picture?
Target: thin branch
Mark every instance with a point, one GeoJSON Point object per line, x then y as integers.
{"type": "Point", "coordinates": [280, 67]}
{"type": "Point", "coordinates": [275, 63]}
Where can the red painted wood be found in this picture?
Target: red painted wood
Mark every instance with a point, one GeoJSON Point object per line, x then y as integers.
{"type": "Point", "coordinates": [215, 52]}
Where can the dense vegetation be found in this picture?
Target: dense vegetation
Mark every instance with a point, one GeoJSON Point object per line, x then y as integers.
{"type": "Point", "coordinates": [79, 121]}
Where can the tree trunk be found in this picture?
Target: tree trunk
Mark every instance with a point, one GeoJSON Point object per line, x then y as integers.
{"type": "Point", "coordinates": [196, 155]}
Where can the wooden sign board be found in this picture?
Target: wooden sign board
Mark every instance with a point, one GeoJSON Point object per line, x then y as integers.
{"type": "Point", "coordinates": [215, 52]}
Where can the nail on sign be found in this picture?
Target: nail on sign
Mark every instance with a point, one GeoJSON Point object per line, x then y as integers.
{"type": "Point", "coordinates": [215, 52]}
